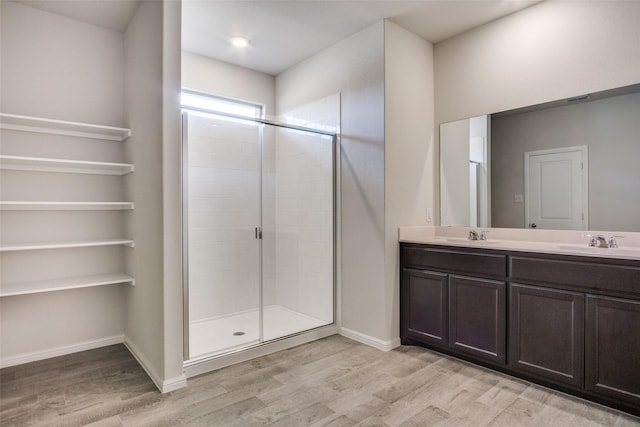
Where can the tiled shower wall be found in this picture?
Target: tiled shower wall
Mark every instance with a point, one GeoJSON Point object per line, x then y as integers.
{"type": "Point", "coordinates": [304, 210]}
{"type": "Point", "coordinates": [304, 224]}
{"type": "Point", "coordinates": [223, 211]}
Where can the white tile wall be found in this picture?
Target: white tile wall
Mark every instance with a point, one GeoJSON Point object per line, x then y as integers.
{"type": "Point", "coordinates": [223, 211]}
{"type": "Point", "coordinates": [304, 210]}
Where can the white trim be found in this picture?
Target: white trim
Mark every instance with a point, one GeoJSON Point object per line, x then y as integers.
{"type": "Point", "coordinates": [60, 351]}
{"type": "Point", "coordinates": [174, 383]}
{"type": "Point", "coordinates": [197, 367]}
{"type": "Point", "coordinates": [164, 386]}
{"type": "Point", "coordinates": [369, 340]}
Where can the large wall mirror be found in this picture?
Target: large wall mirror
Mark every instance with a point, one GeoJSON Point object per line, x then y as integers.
{"type": "Point", "coordinates": [572, 164]}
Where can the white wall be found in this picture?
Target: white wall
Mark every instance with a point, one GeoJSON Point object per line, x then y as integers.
{"type": "Point", "coordinates": [55, 67]}
{"type": "Point", "coordinates": [221, 78]}
{"type": "Point", "coordinates": [464, 185]}
{"type": "Point", "coordinates": [153, 329]}
{"type": "Point", "coordinates": [479, 128]}
{"type": "Point", "coordinates": [552, 50]}
{"type": "Point", "coordinates": [173, 377]}
{"type": "Point", "coordinates": [143, 107]}
{"type": "Point", "coordinates": [454, 174]}
{"type": "Point", "coordinates": [353, 67]}
{"type": "Point", "coordinates": [384, 74]}
{"type": "Point", "coordinates": [408, 153]}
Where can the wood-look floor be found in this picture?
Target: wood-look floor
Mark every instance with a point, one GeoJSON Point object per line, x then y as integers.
{"type": "Point", "coordinates": [331, 382]}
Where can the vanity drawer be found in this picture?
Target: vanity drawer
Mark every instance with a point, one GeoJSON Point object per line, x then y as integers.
{"type": "Point", "coordinates": [456, 261]}
{"type": "Point", "coordinates": [582, 275]}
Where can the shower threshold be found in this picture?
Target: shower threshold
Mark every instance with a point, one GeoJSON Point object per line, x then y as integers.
{"type": "Point", "coordinates": [228, 333]}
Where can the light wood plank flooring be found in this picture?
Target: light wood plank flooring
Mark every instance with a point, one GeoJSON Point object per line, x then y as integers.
{"type": "Point", "coordinates": [331, 382]}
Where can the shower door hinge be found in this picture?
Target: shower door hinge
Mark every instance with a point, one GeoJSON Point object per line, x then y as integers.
{"type": "Point", "coordinates": [258, 233]}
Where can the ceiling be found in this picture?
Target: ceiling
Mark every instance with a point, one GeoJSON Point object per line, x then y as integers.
{"type": "Point", "coordinates": [285, 32]}
{"type": "Point", "coordinates": [111, 14]}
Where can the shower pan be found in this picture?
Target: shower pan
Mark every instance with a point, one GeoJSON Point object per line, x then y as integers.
{"type": "Point", "coordinates": [259, 227]}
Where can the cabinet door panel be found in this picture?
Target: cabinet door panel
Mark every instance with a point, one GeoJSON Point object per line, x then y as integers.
{"type": "Point", "coordinates": [546, 333]}
{"type": "Point", "coordinates": [477, 317]}
{"type": "Point", "coordinates": [424, 311]}
{"type": "Point", "coordinates": [613, 348]}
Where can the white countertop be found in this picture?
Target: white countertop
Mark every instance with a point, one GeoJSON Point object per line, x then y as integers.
{"type": "Point", "coordinates": [541, 241]}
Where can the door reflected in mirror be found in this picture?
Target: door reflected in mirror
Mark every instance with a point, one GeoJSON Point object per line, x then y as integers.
{"type": "Point", "coordinates": [583, 165]}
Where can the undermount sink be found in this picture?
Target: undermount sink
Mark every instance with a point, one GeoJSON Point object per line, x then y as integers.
{"type": "Point", "coordinates": [463, 240]}
{"type": "Point", "coordinates": [601, 251]}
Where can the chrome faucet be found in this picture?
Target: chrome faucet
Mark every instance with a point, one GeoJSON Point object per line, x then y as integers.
{"type": "Point", "coordinates": [473, 235]}
{"type": "Point", "coordinates": [600, 241]}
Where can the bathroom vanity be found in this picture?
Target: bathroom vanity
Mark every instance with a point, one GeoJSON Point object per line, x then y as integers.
{"type": "Point", "coordinates": [554, 314]}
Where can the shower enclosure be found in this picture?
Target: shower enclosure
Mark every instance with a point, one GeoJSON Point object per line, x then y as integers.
{"type": "Point", "coordinates": [259, 232]}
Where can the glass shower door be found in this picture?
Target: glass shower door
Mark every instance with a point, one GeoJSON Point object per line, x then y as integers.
{"type": "Point", "coordinates": [259, 232]}
{"type": "Point", "coordinates": [298, 231]}
{"type": "Point", "coordinates": [222, 196]}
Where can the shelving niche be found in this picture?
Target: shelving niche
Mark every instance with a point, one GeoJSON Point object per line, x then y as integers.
{"type": "Point", "coordinates": [42, 164]}
{"type": "Point", "coordinates": [26, 288]}
{"type": "Point", "coordinates": [61, 127]}
{"type": "Point", "coordinates": [63, 206]}
{"type": "Point", "coordinates": [8, 162]}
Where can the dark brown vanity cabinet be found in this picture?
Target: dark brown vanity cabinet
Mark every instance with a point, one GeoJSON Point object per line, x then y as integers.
{"type": "Point", "coordinates": [546, 333]}
{"type": "Point", "coordinates": [450, 308]}
{"type": "Point", "coordinates": [577, 322]}
{"type": "Point", "coordinates": [573, 322]}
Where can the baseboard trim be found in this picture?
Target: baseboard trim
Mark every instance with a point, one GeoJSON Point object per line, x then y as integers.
{"type": "Point", "coordinates": [369, 340]}
{"type": "Point", "coordinates": [174, 383]}
{"type": "Point", "coordinates": [165, 386]}
{"type": "Point", "coordinates": [60, 351]}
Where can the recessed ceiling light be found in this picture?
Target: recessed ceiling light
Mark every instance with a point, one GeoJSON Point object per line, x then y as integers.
{"type": "Point", "coordinates": [239, 41]}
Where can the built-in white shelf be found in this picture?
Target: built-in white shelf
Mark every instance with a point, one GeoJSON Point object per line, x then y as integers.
{"type": "Point", "coordinates": [12, 247]}
{"type": "Point", "coordinates": [42, 164]}
{"type": "Point", "coordinates": [11, 289]}
{"type": "Point", "coordinates": [61, 127]}
{"type": "Point", "coordinates": [64, 206]}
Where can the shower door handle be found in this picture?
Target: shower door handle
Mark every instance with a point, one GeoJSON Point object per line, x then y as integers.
{"type": "Point", "coordinates": [258, 233]}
